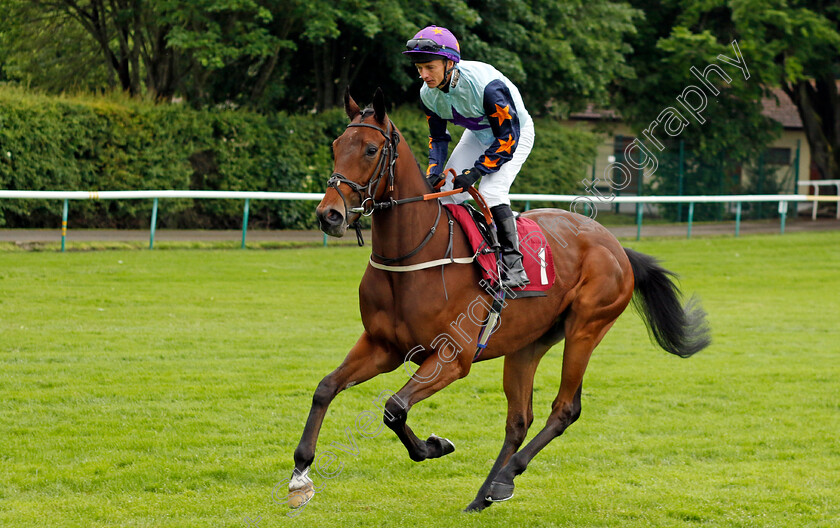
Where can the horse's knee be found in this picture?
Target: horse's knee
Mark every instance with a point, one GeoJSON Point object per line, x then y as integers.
{"type": "Point", "coordinates": [324, 394]}
{"type": "Point", "coordinates": [395, 412]}
{"type": "Point", "coordinates": [517, 428]}
{"type": "Point", "coordinates": [565, 415]}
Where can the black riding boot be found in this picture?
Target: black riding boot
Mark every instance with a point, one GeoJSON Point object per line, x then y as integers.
{"type": "Point", "coordinates": [513, 272]}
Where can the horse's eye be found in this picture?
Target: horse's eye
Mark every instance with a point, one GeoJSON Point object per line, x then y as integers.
{"type": "Point", "coordinates": [371, 150]}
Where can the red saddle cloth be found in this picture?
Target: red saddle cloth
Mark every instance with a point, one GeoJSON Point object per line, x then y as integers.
{"type": "Point", "coordinates": [536, 253]}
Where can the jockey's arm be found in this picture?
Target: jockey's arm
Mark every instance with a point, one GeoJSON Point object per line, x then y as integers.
{"type": "Point", "coordinates": [504, 122]}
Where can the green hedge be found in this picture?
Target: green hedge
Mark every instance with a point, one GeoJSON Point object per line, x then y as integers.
{"type": "Point", "coordinates": [67, 144]}
{"type": "Point", "coordinates": [63, 143]}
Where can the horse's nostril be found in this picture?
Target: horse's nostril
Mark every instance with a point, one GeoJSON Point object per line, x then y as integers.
{"type": "Point", "coordinates": [334, 217]}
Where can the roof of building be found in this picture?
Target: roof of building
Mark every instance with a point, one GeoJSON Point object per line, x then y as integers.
{"type": "Point", "coordinates": [595, 114]}
{"type": "Point", "coordinates": [777, 106]}
{"type": "Point", "coordinates": [781, 108]}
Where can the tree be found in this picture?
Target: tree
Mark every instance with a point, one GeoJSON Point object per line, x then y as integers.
{"type": "Point", "coordinates": [358, 43]}
{"type": "Point", "coordinates": [161, 47]}
{"type": "Point", "coordinates": [230, 47]}
{"type": "Point", "coordinates": [797, 47]}
{"type": "Point", "coordinates": [47, 50]}
{"type": "Point", "coordinates": [674, 37]}
{"type": "Point", "coordinates": [572, 51]}
{"type": "Point", "coordinates": [561, 53]}
{"type": "Point", "coordinates": [792, 44]}
{"type": "Point", "coordinates": [297, 54]}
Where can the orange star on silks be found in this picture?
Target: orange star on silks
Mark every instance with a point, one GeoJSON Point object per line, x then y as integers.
{"type": "Point", "coordinates": [430, 143]}
{"type": "Point", "coordinates": [429, 170]}
{"type": "Point", "coordinates": [502, 114]}
{"type": "Point", "coordinates": [438, 32]}
{"type": "Point", "coordinates": [490, 164]}
{"type": "Point", "coordinates": [506, 146]}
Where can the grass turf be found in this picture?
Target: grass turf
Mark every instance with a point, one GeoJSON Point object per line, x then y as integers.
{"type": "Point", "coordinates": [169, 389]}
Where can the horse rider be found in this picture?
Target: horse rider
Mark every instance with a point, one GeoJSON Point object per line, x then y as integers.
{"type": "Point", "coordinates": [499, 132]}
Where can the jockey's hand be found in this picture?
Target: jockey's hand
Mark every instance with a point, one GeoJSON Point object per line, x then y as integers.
{"type": "Point", "coordinates": [435, 180]}
{"type": "Point", "coordinates": [466, 179]}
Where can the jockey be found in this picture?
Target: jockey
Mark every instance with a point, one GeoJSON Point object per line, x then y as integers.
{"type": "Point", "coordinates": [498, 137]}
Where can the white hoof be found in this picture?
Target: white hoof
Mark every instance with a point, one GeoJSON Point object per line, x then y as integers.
{"type": "Point", "coordinates": [301, 489]}
{"type": "Point", "coordinates": [299, 497]}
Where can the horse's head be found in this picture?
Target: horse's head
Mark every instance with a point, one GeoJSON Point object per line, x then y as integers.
{"type": "Point", "coordinates": [363, 166]}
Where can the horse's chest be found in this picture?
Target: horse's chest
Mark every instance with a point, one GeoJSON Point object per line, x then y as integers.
{"type": "Point", "coordinates": [385, 327]}
{"type": "Point", "coordinates": [395, 319]}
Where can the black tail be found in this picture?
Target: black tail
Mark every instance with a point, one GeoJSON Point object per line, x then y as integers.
{"type": "Point", "coordinates": [680, 330]}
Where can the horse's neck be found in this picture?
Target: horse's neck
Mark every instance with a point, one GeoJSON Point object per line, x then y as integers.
{"type": "Point", "coordinates": [400, 229]}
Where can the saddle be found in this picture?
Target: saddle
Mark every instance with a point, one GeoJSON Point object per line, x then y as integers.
{"type": "Point", "coordinates": [536, 253]}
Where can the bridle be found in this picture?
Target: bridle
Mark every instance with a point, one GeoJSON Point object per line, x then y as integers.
{"type": "Point", "coordinates": [384, 169]}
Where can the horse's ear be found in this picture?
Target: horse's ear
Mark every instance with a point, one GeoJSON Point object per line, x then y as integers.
{"type": "Point", "coordinates": [379, 105]}
{"type": "Point", "coordinates": [350, 105]}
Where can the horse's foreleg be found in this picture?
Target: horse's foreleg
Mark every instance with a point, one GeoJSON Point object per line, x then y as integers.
{"type": "Point", "coordinates": [365, 360]}
{"type": "Point", "coordinates": [518, 384]}
{"type": "Point", "coordinates": [432, 376]}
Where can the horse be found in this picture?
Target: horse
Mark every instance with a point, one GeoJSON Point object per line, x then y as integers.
{"type": "Point", "coordinates": [415, 313]}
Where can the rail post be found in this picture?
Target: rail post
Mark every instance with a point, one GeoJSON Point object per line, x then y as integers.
{"type": "Point", "coordinates": [245, 221]}
{"type": "Point", "coordinates": [783, 207]}
{"type": "Point", "coordinates": [690, 217]}
{"type": "Point", "coordinates": [154, 225]}
{"type": "Point", "coordinates": [639, 209]}
{"type": "Point", "coordinates": [64, 223]}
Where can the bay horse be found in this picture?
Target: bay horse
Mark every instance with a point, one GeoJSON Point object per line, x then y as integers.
{"type": "Point", "coordinates": [418, 316]}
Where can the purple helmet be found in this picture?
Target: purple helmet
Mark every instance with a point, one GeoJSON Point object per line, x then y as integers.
{"type": "Point", "coordinates": [432, 43]}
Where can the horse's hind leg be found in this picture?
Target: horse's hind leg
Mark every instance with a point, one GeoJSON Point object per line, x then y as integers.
{"type": "Point", "coordinates": [600, 300]}
{"type": "Point", "coordinates": [564, 411]}
{"type": "Point", "coordinates": [518, 384]}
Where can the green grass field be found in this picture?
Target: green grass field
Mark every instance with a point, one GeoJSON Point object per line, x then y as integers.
{"type": "Point", "coordinates": [169, 389]}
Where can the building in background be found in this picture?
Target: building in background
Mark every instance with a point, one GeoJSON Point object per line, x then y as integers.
{"type": "Point", "coordinates": [779, 169]}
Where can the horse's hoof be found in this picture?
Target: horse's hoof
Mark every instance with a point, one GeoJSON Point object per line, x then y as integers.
{"type": "Point", "coordinates": [299, 497]}
{"type": "Point", "coordinates": [477, 506]}
{"type": "Point", "coordinates": [499, 492]}
{"type": "Point", "coordinates": [445, 445]}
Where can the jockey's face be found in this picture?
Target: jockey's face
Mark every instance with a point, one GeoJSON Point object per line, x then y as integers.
{"type": "Point", "coordinates": [434, 71]}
